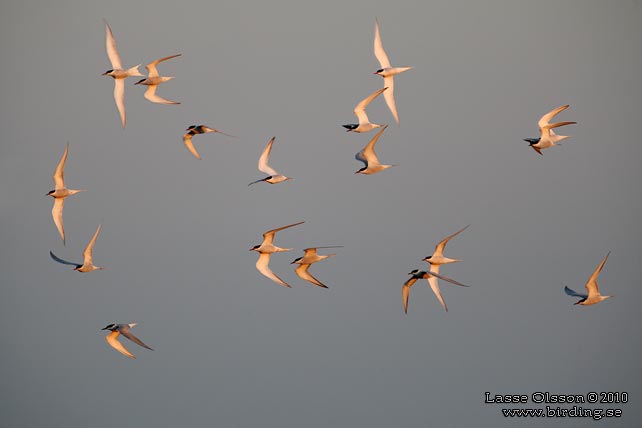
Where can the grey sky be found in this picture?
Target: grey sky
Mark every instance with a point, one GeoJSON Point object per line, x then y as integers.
{"type": "Point", "coordinates": [234, 349]}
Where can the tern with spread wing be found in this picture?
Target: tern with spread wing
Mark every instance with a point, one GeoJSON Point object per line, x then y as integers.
{"type": "Point", "coordinates": [593, 297]}
{"type": "Point", "coordinates": [266, 248]}
{"type": "Point", "coordinates": [195, 130]}
{"type": "Point", "coordinates": [124, 329]}
{"type": "Point", "coordinates": [59, 194]}
{"type": "Point", "coordinates": [310, 256]}
{"type": "Point", "coordinates": [153, 79]}
{"type": "Point", "coordinates": [369, 157]}
{"type": "Point", "coordinates": [88, 262]}
{"type": "Point", "coordinates": [118, 74]}
{"type": "Point", "coordinates": [548, 137]}
{"type": "Point", "coordinates": [364, 124]}
{"type": "Point", "coordinates": [273, 175]}
{"type": "Point", "coordinates": [434, 285]}
{"type": "Point", "coordinates": [387, 71]}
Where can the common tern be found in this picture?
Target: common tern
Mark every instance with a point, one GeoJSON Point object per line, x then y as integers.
{"type": "Point", "coordinates": [195, 130]}
{"type": "Point", "coordinates": [548, 137]}
{"type": "Point", "coordinates": [434, 285]}
{"type": "Point", "coordinates": [273, 175]}
{"type": "Point", "coordinates": [117, 330]}
{"type": "Point", "coordinates": [153, 79]}
{"type": "Point", "coordinates": [88, 263]}
{"type": "Point", "coordinates": [437, 258]}
{"type": "Point", "coordinates": [593, 295]}
{"type": "Point", "coordinates": [265, 249]}
{"type": "Point", "coordinates": [59, 194]}
{"type": "Point", "coordinates": [364, 124]}
{"type": "Point", "coordinates": [387, 71]}
{"type": "Point", "coordinates": [369, 157]}
{"type": "Point", "coordinates": [118, 74]}
{"type": "Point", "coordinates": [310, 256]}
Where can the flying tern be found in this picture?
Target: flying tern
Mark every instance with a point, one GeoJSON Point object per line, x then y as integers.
{"type": "Point", "coordinates": [593, 295]}
{"type": "Point", "coordinates": [437, 258]}
{"type": "Point", "coordinates": [154, 79]}
{"type": "Point", "coordinates": [273, 175]}
{"type": "Point", "coordinates": [387, 71]}
{"type": "Point", "coordinates": [59, 194]}
{"type": "Point", "coordinates": [548, 137]}
{"type": "Point", "coordinates": [266, 248]}
{"type": "Point", "coordinates": [195, 130]}
{"type": "Point", "coordinates": [88, 263]}
{"type": "Point", "coordinates": [310, 256]}
{"type": "Point", "coordinates": [364, 124]}
{"type": "Point", "coordinates": [118, 74]}
{"type": "Point", "coordinates": [369, 157]}
{"type": "Point", "coordinates": [117, 330]}
{"type": "Point", "coordinates": [434, 285]}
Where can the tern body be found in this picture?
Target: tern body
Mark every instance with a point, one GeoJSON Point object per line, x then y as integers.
{"type": "Point", "coordinates": [124, 329]}
{"type": "Point", "coordinates": [364, 124]}
{"type": "Point", "coordinates": [154, 79]}
{"type": "Point", "coordinates": [266, 248]}
{"type": "Point", "coordinates": [310, 257]}
{"type": "Point", "coordinates": [118, 73]}
{"type": "Point", "coordinates": [59, 194]}
{"type": "Point", "coordinates": [416, 275]}
{"type": "Point", "coordinates": [274, 176]}
{"type": "Point", "coordinates": [369, 157]}
{"type": "Point", "coordinates": [387, 71]}
{"type": "Point", "coordinates": [593, 297]}
{"type": "Point", "coordinates": [88, 263]}
{"type": "Point", "coordinates": [195, 130]}
{"type": "Point", "coordinates": [548, 138]}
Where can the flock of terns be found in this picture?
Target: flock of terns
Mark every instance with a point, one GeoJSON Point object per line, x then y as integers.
{"type": "Point", "coordinates": [548, 138]}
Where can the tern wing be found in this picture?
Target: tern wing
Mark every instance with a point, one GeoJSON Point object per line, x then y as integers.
{"type": "Point", "coordinates": [591, 284]}
{"type": "Point", "coordinates": [112, 339]}
{"type": "Point", "coordinates": [360, 109]}
{"type": "Point", "coordinates": [150, 94]}
{"type": "Point", "coordinates": [439, 248]}
{"type": "Point", "coordinates": [445, 278]}
{"type": "Point", "coordinates": [544, 120]}
{"type": "Point", "coordinates": [389, 96]}
{"type": "Point", "coordinates": [368, 154]}
{"type": "Point", "coordinates": [262, 266]}
{"type": "Point", "coordinates": [64, 262]}
{"type": "Point", "coordinates": [112, 52]}
{"type": "Point", "coordinates": [87, 254]}
{"type": "Point", "coordinates": [265, 156]}
{"type": "Point", "coordinates": [574, 293]}
{"type": "Point", "coordinates": [268, 237]}
{"type": "Point", "coordinates": [187, 140]}
{"type": "Point", "coordinates": [59, 173]}
{"type": "Point", "coordinates": [302, 272]}
{"type": "Point", "coordinates": [378, 48]}
{"type": "Point", "coordinates": [56, 213]}
{"type": "Point", "coordinates": [434, 285]}
{"type": "Point", "coordinates": [119, 97]}
{"type": "Point", "coordinates": [129, 335]}
{"type": "Point", "coordinates": [151, 67]}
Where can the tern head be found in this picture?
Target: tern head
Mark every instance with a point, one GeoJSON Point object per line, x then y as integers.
{"type": "Point", "coordinates": [425, 259]}
{"type": "Point", "coordinates": [140, 81]}
{"type": "Point", "coordinates": [110, 327]}
{"type": "Point", "coordinates": [254, 248]}
{"type": "Point", "coordinates": [191, 127]}
{"type": "Point", "coordinates": [414, 271]}
{"type": "Point", "coordinates": [531, 141]}
{"type": "Point", "coordinates": [361, 170]}
{"type": "Point", "coordinates": [51, 192]}
{"type": "Point", "coordinates": [108, 72]}
{"type": "Point", "coordinates": [378, 71]}
{"type": "Point", "coordinates": [296, 260]}
{"type": "Point", "coordinates": [351, 126]}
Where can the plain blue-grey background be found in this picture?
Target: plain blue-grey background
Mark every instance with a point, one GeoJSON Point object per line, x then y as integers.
{"type": "Point", "coordinates": [234, 349]}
